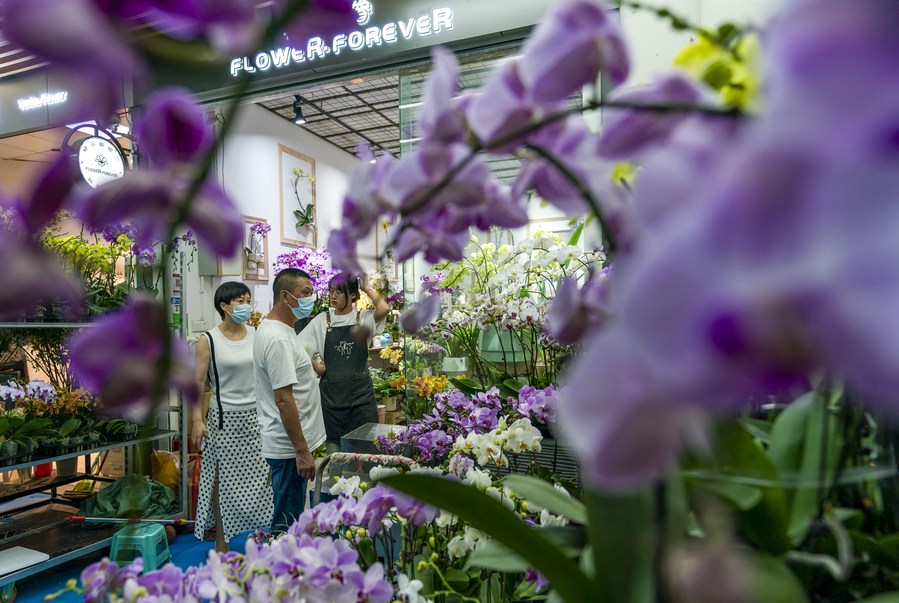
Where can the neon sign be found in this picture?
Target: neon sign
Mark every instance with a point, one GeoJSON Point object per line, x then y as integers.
{"type": "Point", "coordinates": [317, 48]}
{"type": "Point", "coordinates": [44, 100]}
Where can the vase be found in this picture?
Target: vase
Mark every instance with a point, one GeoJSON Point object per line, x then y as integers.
{"type": "Point", "coordinates": [67, 467]}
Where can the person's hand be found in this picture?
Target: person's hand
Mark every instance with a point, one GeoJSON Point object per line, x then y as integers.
{"type": "Point", "coordinates": [305, 464]}
{"type": "Point", "coordinates": [198, 434]}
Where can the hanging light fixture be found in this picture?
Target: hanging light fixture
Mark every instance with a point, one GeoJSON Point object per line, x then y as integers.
{"type": "Point", "coordinates": [298, 117]}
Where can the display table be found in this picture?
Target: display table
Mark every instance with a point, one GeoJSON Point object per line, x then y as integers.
{"type": "Point", "coordinates": [362, 439]}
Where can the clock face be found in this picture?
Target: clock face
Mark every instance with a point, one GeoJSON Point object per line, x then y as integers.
{"type": "Point", "coordinates": [100, 161]}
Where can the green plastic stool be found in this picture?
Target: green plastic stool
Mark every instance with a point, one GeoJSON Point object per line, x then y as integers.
{"type": "Point", "coordinates": [147, 540]}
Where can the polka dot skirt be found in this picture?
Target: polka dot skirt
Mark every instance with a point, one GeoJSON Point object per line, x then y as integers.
{"type": "Point", "coordinates": [245, 494]}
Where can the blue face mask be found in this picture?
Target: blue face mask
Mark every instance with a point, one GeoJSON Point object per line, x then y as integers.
{"type": "Point", "coordinates": [241, 313]}
{"type": "Point", "coordinates": [304, 305]}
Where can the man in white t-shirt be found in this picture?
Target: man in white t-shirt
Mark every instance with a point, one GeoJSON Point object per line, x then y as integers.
{"type": "Point", "coordinates": [288, 404]}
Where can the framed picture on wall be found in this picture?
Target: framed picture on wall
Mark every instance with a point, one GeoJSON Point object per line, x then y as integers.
{"type": "Point", "coordinates": [255, 255]}
{"type": "Point", "coordinates": [296, 175]}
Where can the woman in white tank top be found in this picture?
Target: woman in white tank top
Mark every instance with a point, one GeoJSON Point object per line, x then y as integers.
{"type": "Point", "coordinates": [233, 495]}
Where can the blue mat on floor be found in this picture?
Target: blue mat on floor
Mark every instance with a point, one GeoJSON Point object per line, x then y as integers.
{"type": "Point", "coordinates": [186, 551]}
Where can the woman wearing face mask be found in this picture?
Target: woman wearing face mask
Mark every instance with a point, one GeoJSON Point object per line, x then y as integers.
{"type": "Point", "coordinates": [340, 337]}
{"type": "Point", "coordinates": [233, 493]}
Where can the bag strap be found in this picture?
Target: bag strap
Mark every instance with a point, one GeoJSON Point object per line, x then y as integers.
{"type": "Point", "coordinates": [215, 371]}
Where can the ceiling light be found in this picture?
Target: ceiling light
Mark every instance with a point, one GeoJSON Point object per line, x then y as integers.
{"type": "Point", "coordinates": [298, 117]}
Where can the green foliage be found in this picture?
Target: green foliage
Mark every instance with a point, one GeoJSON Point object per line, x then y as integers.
{"type": "Point", "coordinates": [305, 216]}
{"type": "Point", "coordinates": [488, 515]}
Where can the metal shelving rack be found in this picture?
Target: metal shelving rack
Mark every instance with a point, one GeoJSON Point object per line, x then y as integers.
{"type": "Point", "coordinates": [44, 525]}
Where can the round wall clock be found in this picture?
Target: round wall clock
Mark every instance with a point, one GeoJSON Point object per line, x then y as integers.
{"type": "Point", "coordinates": [100, 157]}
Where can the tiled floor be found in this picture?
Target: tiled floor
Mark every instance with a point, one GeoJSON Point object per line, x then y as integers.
{"type": "Point", "coordinates": [186, 551]}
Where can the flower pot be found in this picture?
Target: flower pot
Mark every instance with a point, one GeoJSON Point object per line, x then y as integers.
{"type": "Point", "coordinates": [253, 260]}
{"type": "Point", "coordinates": [389, 403]}
{"type": "Point", "coordinates": [455, 366]}
{"type": "Point", "coordinates": [67, 467]}
{"type": "Point", "coordinates": [499, 345]}
{"type": "Point", "coordinates": [382, 413]}
{"type": "Point", "coordinates": [128, 433]}
{"type": "Point", "coordinates": [43, 470]}
{"type": "Point", "coordinates": [24, 475]}
{"type": "Point", "coordinates": [8, 451]}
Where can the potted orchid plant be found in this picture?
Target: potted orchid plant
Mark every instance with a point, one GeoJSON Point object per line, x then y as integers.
{"type": "Point", "coordinates": [255, 245]}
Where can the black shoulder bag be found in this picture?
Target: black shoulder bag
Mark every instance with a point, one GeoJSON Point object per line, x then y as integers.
{"type": "Point", "coordinates": [215, 371]}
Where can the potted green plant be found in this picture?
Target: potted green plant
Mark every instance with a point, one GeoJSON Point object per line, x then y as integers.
{"type": "Point", "coordinates": [122, 430]}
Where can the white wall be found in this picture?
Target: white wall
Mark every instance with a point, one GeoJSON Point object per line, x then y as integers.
{"type": "Point", "coordinates": [249, 172]}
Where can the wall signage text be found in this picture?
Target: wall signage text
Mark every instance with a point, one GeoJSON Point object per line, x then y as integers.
{"type": "Point", "coordinates": [44, 100]}
{"type": "Point", "coordinates": [424, 25]}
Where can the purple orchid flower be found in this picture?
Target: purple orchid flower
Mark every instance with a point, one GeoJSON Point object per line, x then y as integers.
{"type": "Point", "coordinates": [121, 359]}
{"type": "Point", "coordinates": [576, 41]}
{"type": "Point", "coordinates": [627, 132]}
{"type": "Point", "coordinates": [173, 128]}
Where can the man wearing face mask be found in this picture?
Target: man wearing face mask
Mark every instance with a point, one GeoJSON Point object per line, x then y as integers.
{"type": "Point", "coordinates": [288, 402]}
{"type": "Point", "coordinates": [233, 495]}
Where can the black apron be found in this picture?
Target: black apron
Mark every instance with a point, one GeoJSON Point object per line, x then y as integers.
{"type": "Point", "coordinates": [348, 396]}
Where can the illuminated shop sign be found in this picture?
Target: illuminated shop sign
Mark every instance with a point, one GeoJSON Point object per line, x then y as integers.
{"type": "Point", "coordinates": [423, 25]}
{"type": "Point", "coordinates": [44, 100]}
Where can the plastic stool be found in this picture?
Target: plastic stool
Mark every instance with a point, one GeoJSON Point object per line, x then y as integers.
{"type": "Point", "coordinates": [147, 540]}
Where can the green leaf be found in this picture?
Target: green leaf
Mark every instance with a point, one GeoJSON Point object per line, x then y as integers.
{"type": "Point", "coordinates": [490, 589]}
{"type": "Point", "coordinates": [467, 386]}
{"type": "Point", "coordinates": [787, 434]}
{"type": "Point", "coordinates": [457, 579]}
{"type": "Point", "coordinates": [737, 454]}
{"type": "Point", "coordinates": [890, 597]}
{"type": "Point", "coordinates": [69, 427]}
{"type": "Point", "coordinates": [888, 554]}
{"type": "Point", "coordinates": [497, 556]}
{"type": "Point", "coordinates": [576, 235]}
{"type": "Point", "coordinates": [798, 439]}
{"type": "Point", "coordinates": [757, 428]}
{"type": "Point", "coordinates": [740, 496]}
{"type": "Point", "coordinates": [545, 495]}
{"type": "Point", "coordinates": [851, 518]}
{"type": "Point", "coordinates": [622, 537]}
{"type": "Point", "coordinates": [774, 582]}
{"type": "Point", "coordinates": [491, 517]}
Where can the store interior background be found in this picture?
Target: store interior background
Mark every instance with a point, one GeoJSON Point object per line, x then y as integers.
{"type": "Point", "coordinates": [370, 103]}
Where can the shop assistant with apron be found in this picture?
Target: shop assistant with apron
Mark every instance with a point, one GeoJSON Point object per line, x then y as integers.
{"type": "Point", "coordinates": [340, 337]}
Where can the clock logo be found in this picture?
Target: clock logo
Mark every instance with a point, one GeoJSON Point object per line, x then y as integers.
{"type": "Point", "coordinates": [100, 160]}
